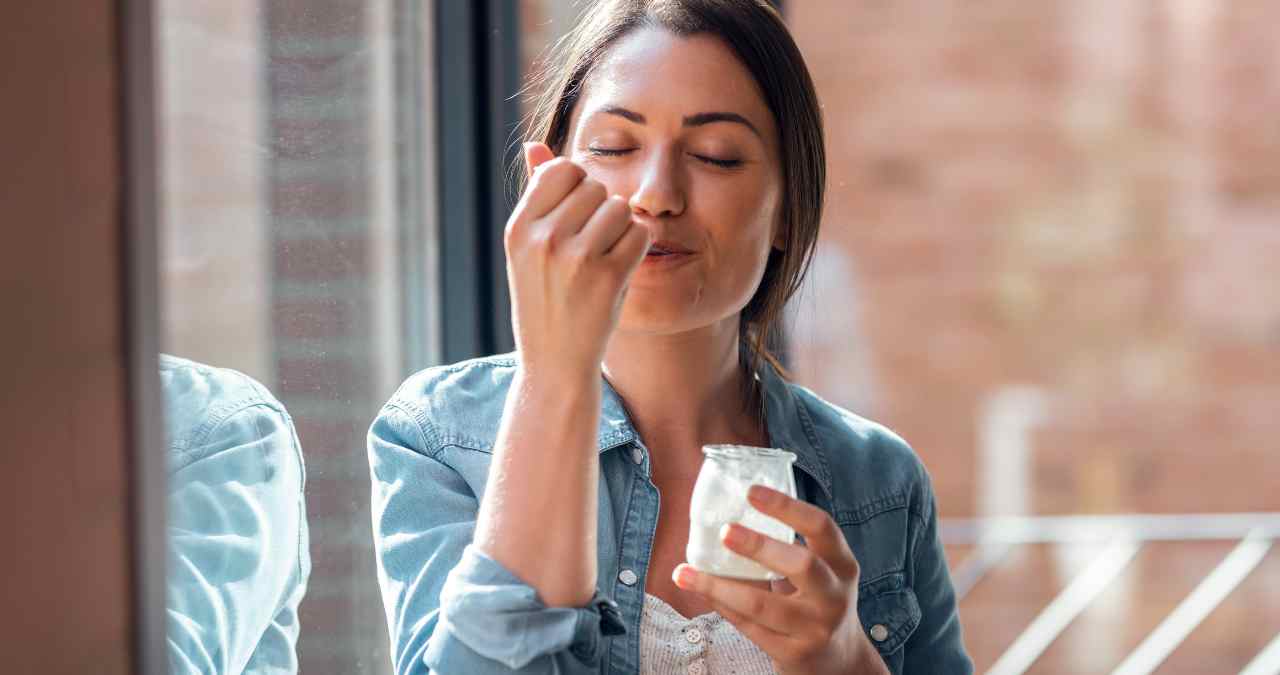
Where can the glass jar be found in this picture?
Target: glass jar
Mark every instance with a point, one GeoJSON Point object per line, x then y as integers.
{"type": "Point", "coordinates": [720, 497]}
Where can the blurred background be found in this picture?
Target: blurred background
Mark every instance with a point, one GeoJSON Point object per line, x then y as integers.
{"type": "Point", "coordinates": [1050, 260]}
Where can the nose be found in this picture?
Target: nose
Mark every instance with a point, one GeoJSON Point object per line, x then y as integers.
{"type": "Point", "coordinates": [661, 189]}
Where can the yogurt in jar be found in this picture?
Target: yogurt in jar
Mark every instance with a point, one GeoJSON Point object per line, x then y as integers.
{"type": "Point", "coordinates": [720, 497]}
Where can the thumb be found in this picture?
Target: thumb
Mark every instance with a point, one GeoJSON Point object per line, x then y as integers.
{"type": "Point", "coordinates": [535, 154]}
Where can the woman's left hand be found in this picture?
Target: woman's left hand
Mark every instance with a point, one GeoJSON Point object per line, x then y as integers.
{"type": "Point", "coordinates": [808, 622]}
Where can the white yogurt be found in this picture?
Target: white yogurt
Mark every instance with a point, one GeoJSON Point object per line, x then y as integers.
{"type": "Point", "coordinates": [720, 496]}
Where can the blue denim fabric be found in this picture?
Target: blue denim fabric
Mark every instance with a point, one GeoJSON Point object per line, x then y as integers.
{"type": "Point", "coordinates": [237, 532]}
{"type": "Point", "coordinates": [453, 610]}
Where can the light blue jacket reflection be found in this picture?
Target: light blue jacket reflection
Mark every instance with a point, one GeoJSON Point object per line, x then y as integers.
{"type": "Point", "coordinates": [238, 558]}
{"type": "Point", "coordinates": [454, 610]}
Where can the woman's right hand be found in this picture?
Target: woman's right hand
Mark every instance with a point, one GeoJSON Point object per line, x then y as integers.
{"type": "Point", "coordinates": [571, 249]}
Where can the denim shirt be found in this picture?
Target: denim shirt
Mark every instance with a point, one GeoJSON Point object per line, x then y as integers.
{"type": "Point", "coordinates": [237, 530]}
{"type": "Point", "coordinates": [452, 609]}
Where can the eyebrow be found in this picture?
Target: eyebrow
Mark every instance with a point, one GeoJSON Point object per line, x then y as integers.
{"type": "Point", "coordinates": [695, 120]}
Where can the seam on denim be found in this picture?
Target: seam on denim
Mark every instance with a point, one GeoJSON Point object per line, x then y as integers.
{"type": "Point", "coordinates": [256, 394]}
{"type": "Point", "coordinates": [302, 488]}
{"type": "Point", "coordinates": [626, 513]}
{"type": "Point", "coordinates": [871, 508]}
{"type": "Point", "coordinates": [867, 583]}
{"type": "Point", "coordinates": [431, 446]}
{"type": "Point", "coordinates": [810, 431]}
{"type": "Point", "coordinates": [215, 415]}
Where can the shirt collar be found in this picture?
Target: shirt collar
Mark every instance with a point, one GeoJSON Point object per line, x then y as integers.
{"type": "Point", "coordinates": [790, 426]}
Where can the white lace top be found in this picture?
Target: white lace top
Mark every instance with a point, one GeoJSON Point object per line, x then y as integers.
{"type": "Point", "coordinates": [707, 644]}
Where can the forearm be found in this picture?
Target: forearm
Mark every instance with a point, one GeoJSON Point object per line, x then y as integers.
{"type": "Point", "coordinates": [538, 514]}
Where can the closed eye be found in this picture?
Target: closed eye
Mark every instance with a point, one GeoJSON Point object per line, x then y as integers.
{"type": "Point", "coordinates": [722, 163]}
{"type": "Point", "coordinates": [615, 152]}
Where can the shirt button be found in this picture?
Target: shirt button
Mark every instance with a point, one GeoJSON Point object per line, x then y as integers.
{"type": "Point", "coordinates": [879, 633]}
{"type": "Point", "coordinates": [627, 577]}
{"type": "Point", "coordinates": [696, 668]}
{"type": "Point", "coordinates": [693, 635]}
{"type": "Point", "coordinates": [637, 455]}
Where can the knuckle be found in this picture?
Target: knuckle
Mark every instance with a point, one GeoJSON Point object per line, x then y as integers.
{"type": "Point", "coordinates": [756, 606]}
{"type": "Point", "coordinates": [810, 564]}
{"type": "Point", "coordinates": [555, 169]}
{"type": "Point", "coordinates": [594, 190]}
{"type": "Point", "coordinates": [615, 208]}
{"type": "Point", "coordinates": [541, 240]}
{"type": "Point", "coordinates": [564, 167]}
{"type": "Point", "coordinates": [579, 255]}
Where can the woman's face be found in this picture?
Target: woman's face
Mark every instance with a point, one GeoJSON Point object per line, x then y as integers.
{"type": "Point", "coordinates": [678, 126]}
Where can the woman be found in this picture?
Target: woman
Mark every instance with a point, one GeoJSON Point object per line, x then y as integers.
{"type": "Point", "coordinates": [672, 205]}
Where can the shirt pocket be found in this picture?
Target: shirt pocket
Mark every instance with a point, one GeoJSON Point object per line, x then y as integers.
{"type": "Point", "coordinates": [889, 613]}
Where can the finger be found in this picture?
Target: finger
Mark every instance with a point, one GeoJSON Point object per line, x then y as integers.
{"type": "Point", "coordinates": [535, 154]}
{"type": "Point", "coordinates": [783, 586]}
{"type": "Point", "coordinates": [775, 644]}
{"type": "Point", "coordinates": [820, 532]}
{"type": "Point", "coordinates": [802, 566]}
{"type": "Point", "coordinates": [607, 225]}
{"type": "Point", "coordinates": [567, 218]}
{"type": "Point", "coordinates": [779, 613]}
{"type": "Point", "coordinates": [631, 247]}
{"type": "Point", "coordinates": [551, 183]}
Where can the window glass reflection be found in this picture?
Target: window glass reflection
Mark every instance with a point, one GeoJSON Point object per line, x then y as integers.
{"type": "Point", "coordinates": [238, 543]}
{"type": "Point", "coordinates": [290, 253]}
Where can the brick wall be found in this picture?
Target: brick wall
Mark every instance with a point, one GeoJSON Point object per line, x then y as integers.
{"type": "Point", "coordinates": [319, 147]}
{"type": "Point", "coordinates": [1082, 197]}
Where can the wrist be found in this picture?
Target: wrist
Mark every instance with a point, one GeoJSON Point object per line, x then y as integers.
{"type": "Point", "coordinates": [867, 658]}
{"type": "Point", "coordinates": [568, 377]}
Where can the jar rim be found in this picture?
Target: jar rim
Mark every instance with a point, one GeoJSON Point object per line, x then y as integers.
{"type": "Point", "coordinates": [734, 451]}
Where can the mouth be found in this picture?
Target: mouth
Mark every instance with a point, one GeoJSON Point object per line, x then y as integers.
{"type": "Point", "coordinates": [666, 248]}
{"type": "Point", "coordinates": [661, 259]}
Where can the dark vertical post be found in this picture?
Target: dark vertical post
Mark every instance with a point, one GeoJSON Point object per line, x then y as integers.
{"type": "Point", "coordinates": [477, 75]}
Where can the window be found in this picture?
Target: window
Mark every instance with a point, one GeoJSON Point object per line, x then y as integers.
{"type": "Point", "coordinates": [1050, 233]}
{"type": "Point", "coordinates": [300, 247]}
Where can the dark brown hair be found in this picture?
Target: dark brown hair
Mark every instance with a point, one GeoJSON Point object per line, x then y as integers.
{"type": "Point", "coordinates": [753, 31]}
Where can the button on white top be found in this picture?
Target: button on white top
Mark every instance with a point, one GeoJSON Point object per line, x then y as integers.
{"type": "Point", "coordinates": [693, 635]}
{"type": "Point", "coordinates": [637, 455]}
{"type": "Point", "coordinates": [627, 577]}
{"type": "Point", "coordinates": [879, 632]}
{"type": "Point", "coordinates": [696, 668]}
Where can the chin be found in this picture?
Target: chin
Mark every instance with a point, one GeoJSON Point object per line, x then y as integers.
{"type": "Point", "coordinates": [643, 314]}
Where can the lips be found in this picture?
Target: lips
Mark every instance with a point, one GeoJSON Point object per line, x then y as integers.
{"type": "Point", "coordinates": [663, 247]}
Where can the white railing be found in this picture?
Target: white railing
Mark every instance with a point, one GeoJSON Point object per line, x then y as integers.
{"type": "Point", "coordinates": [1123, 537]}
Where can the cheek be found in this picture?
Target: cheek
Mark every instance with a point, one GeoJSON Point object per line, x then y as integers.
{"type": "Point", "coordinates": [745, 216]}
{"type": "Point", "coordinates": [615, 179]}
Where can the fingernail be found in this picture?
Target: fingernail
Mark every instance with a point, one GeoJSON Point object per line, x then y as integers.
{"type": "Point", "coordinates": [683, 576]}
{"type": "Point", "coordinates": [732, 535]}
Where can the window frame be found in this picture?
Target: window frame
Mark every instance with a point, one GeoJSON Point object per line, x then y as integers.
{"type": "Point", "coordinates": [140, 256]}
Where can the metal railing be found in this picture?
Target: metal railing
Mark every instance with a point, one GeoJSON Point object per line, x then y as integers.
{"type": "Point", "coordinates": [1122, 537]}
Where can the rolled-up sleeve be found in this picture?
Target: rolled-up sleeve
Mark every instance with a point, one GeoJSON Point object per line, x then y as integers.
{"type": "Point", "coordinates": [451, 608]}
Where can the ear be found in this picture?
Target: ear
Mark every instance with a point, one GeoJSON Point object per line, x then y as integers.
{"type": "Point", "coordinates": [536, 154]}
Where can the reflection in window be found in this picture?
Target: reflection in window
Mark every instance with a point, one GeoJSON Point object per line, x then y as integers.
{"type": "Point", "coordinates": [299, 248]}
{"type": "Point", "coordinates": [238, 547]}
